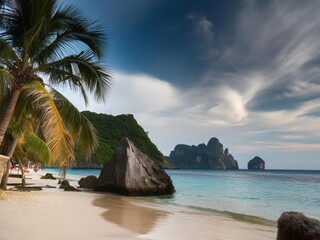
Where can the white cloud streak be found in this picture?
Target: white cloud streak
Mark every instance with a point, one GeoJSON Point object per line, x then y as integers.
{"type": "Point", "coordinates": [265, 146]}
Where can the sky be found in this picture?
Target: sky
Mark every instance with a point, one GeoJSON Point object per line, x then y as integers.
{"type": "Point", "coordinates": [244, 71]}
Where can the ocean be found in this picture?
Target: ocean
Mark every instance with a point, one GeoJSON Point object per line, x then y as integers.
{"type": "Point", "coordinates": [238, 193]}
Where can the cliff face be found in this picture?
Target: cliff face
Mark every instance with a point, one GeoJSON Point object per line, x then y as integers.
{"type": "Point", "coordinates": [256, 164]}
{"type": "Point", "coordinates": [210, 156]}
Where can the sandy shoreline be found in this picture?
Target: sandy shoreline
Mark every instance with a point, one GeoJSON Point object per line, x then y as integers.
{"type": "Point", "coordinates": [53, 213]}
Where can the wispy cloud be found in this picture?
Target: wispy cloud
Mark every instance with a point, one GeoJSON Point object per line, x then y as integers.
{"type": "Point", "coordinates": [265, 146]}
{"type": "Point", "coordinates": [203, 30]}
{"type": "Point", "coordinates": [202, 27]}
{"type": "Point", "coordinates": [293, 137]}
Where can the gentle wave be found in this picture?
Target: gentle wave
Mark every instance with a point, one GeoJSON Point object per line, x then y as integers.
{"type": "Point", "coordinates": [237, 216]}
{"type": "Point", "coordinates": [163, 200]}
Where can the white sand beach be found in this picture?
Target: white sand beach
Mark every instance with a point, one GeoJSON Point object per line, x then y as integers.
{"type": "Point", "coordinates": [55, 214]}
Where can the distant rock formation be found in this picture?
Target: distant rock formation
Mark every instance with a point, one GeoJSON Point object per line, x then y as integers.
{"type": "Point", "coordinates": [130, 172]}
{"type": "Point", "coordinates": [256, 164]}
{"type": "Point", "coordinates": [296, 226]}
{"type": "Point", "coordinates": [210, 156]}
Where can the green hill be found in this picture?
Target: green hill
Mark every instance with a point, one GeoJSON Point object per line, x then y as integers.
{"type": "Point", "coordinates": [110, 129]}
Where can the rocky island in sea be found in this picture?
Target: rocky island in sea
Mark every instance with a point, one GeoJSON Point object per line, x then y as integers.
{"type": "Point", "coordinates": [210, 156]}
{"type": "Point", "coordinates": [256, 163]}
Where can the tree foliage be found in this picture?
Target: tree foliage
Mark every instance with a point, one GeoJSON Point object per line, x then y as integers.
{"type": "Point", "coordinates": [111, 129]}
{"type": "Point", "coordinates": [45, 44]}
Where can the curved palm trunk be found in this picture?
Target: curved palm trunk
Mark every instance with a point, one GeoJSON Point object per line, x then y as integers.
{"type": "Point", "coordinates": [9, 112]}
{"type": "Point", "coordinates": [10, 153]}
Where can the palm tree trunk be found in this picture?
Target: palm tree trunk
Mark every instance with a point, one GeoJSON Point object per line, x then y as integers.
{"type": "Point", "coordinates": [9, 112]}
{"type": "Point", "coordinates": [12, 148]}
{"type": "Point", "coordinates": [23, 178]}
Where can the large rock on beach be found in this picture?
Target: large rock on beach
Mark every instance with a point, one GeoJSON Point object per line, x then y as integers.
{"type": "Point", "coordinates": [296, 226]}
{"type": "Point", "coordinates": [256, 164]}
{"type": "Point", "coordinates": [88, 182]}
{"type": "Point", "coordinates": [130, 172]}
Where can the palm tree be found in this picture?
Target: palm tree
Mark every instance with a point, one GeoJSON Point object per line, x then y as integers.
{"type": "Point", "coordinates": [40, 122]}
{"type": "Point", "coordinates": [25, 144]}
{"type": "Point", "coordinates": [41, 40]}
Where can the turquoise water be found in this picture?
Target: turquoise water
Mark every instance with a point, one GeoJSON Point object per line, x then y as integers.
{"type": "Point", "coordinates": [75, 173]}
{"type": "Point", "coordinates": [264, 194]}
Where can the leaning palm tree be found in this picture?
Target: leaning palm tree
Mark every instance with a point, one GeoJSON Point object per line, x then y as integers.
{"type": "Point", "coordinates": [41, 40]}
{"type": "Point", "coordinates": [47, 120]}
{"type": "Point", "coordinates": [25, 143]}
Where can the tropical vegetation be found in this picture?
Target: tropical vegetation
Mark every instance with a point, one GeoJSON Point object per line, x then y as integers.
{"type": "Point", "coordinates": [110, 130]}
{"type": "Point", "coordinates": [44, 45]}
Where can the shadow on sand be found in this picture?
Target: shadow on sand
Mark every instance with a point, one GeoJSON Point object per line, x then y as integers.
{"type": "Point", "coordinates": [135, 218]}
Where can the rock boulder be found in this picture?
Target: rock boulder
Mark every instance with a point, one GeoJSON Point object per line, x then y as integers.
{"type": "Point", "coordinates": [88, 182]}
{"type": "Point", "coordinates": [130, 172]}
{"type": "Point", "coordinates": [64, 184]}
{"type": "Point", "coordinates": [296, 226]}
{"type": "Point", "coordinates": [48, 176]}
{"type": "Point", "coordinates": [256, 164]}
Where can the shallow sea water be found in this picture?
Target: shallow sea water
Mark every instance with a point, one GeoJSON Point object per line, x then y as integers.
{"type": "Point", "coordinates": [241, 194]}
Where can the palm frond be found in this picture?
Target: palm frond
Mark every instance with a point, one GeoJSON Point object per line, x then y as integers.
{"type": "Point", "coordinates": [20, 151]}
{"type": "Point", "coordinates": [61, 77]}
{"type": "Point", "coordinates": [93, 75]}
{"type": "Point", "coordinates": [16, 128]}
{"type": "Point", "coordinates": [46, 113]}
{"type": "Point", "coordinates": [35, 145]}
{"type": "Point", "coordinates": [79, 126]}
{"type": "Point", "coordinates": [79, 28]}
{"type": "Point", "coordinates": [6, 83]}
{"type": "Point", "coordinates": [7, 53]}
{"type": "Point", "coordinates": [26, 22]}
{"type": "Point", "coordinates": [63, 31]}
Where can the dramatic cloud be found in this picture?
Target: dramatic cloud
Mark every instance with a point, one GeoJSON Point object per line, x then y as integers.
{"type": "Point", "coordinates": [259, 91]}
{"type": "Point", "coordinates": [276, 41]}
